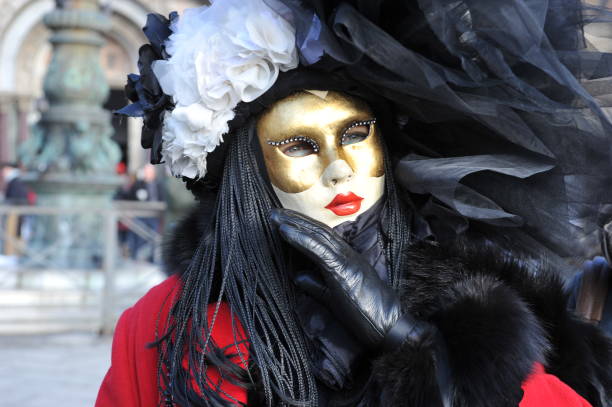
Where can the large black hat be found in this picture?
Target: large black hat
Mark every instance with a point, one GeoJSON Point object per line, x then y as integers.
{"type": "Point", "coordinates": [481, 100]}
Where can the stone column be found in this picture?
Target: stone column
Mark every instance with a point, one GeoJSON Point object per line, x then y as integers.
{"type": "Point", "coordinates": [69, 154]}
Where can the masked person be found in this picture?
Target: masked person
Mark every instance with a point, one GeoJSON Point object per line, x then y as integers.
{"type": "Point", "coordinates": [329, 264]}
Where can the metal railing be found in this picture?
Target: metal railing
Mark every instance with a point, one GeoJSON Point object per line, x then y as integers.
{"type": "Point", "coordinates": [25, 257]}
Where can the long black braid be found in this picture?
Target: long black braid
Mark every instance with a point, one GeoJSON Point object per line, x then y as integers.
{"type": "Point", "coordinates": [238, 261]}
{"type": "Point", "coordinates": [395, 228]}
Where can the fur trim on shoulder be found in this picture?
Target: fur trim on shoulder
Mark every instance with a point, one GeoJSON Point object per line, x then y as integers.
{"type": "Point", "coordinates": [407, 376]}
{"type": "Point", "coordinates": [492, 339]}
{"type": "Point", "coordinates": [498, 316]}
{"type": "Point", "coordinates": [490, 333]}
{"type": "Point", "coordinates": [580, 354]}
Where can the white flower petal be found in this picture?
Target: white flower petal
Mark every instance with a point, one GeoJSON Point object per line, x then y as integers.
{"type": "Point", "coordinates": [252, 78]}
{"type": "Point", "coordinates": [196, 116]}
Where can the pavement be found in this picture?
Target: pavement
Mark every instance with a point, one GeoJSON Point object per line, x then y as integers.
{"type": "Point", "coordinates": [53, 369]}
{"type": "Point", "coordinates": [50, 354]}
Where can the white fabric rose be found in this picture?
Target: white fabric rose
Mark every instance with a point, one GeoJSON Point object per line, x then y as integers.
{"type": "Point", "coordinates": [221, 55]}
{"type": "Point", "coordinates": [186, 142]}
{"type": "Point", "coordinates": [250, 76]}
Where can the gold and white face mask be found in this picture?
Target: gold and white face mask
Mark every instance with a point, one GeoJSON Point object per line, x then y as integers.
{"type": "Point", "coordinates": [323, 155]}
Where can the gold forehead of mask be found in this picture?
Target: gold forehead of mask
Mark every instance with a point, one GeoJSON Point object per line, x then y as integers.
{"type": "Point", "coordinates": [322, 121]}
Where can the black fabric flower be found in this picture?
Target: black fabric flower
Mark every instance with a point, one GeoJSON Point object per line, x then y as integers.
{"type": "Point", "coordinates": [145, 93]}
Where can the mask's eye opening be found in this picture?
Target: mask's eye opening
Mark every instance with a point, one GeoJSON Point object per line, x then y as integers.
{"type": "Point", "coordinates": [298, 149]}
{"type": "Point", "coordinates": [296, 146]}
{"type": "Point", "coordinates": [357, 132]}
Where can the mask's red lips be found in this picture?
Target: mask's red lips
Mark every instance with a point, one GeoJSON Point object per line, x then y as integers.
{"type": "Point", "coordinates": [345, 204]}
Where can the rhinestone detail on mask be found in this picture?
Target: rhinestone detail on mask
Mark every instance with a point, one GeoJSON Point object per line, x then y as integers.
{"type": "Point", "coordinates": [357, 124]}
{"type": "Point", "coordinates": [314, 144]}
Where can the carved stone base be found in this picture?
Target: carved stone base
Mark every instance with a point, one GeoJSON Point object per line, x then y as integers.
{"type": "Point", "coordinates": [69, 240]}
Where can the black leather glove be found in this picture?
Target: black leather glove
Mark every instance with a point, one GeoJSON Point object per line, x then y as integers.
{"type": "Point", "coordinates": [351, 288]}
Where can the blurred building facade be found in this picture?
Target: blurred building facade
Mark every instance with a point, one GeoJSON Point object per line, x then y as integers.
{"type": "Point", "coordinates": [25, 55]}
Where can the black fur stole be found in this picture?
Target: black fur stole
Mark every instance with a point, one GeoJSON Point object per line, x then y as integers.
{"type": "Point", "coordinates": [497, 316]}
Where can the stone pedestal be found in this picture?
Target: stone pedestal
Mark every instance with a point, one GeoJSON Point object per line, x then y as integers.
{"type": "Point", "coordinates": [69, 154]}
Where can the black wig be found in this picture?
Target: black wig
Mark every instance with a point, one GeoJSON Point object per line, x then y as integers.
{"type": "Point", "coordinates": [242, 260]}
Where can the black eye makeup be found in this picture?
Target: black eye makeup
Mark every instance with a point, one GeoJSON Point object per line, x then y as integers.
{"type": "Point", "coordinates": [299, 146]}
{"type": "Point", "coordinates": [357, 132]}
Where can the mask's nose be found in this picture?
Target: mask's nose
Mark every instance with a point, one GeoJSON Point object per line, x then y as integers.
{"type": "Point", "coordinates": [337, 173]}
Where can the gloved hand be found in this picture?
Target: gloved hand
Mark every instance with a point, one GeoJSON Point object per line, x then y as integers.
{"type": "Point", "coordinates": [351, 288]}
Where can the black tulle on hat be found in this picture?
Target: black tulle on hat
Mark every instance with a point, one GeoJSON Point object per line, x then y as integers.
{"type": "Point", "coordinates": [489, 122]}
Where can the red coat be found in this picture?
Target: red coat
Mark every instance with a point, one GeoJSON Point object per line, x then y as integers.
{"type": "Point", "coordinates": [131, 380]}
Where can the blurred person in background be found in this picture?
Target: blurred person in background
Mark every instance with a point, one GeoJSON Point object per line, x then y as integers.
{"type": "Point", "coordinates": [124, 194]}
{"type": "Point", "coordinates": [14, 192]}
{"type": "Point", "coordinates": [143, 187]}
{"type": "Point", "coordinates": [590, 289]}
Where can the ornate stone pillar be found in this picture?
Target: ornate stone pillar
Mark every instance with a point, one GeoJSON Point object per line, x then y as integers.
{"type": "Point", "coordinates": [69, 154]}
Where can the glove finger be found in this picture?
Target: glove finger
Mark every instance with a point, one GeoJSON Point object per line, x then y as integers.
{"type": "Point", "coordinates": [283, 215]}
{"type": "Point", "coordinates": [312, 285]}
{"type": "Point", "coordinates": [316, 249]}
{"type": "Point", "coordinates": [288, 216]}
